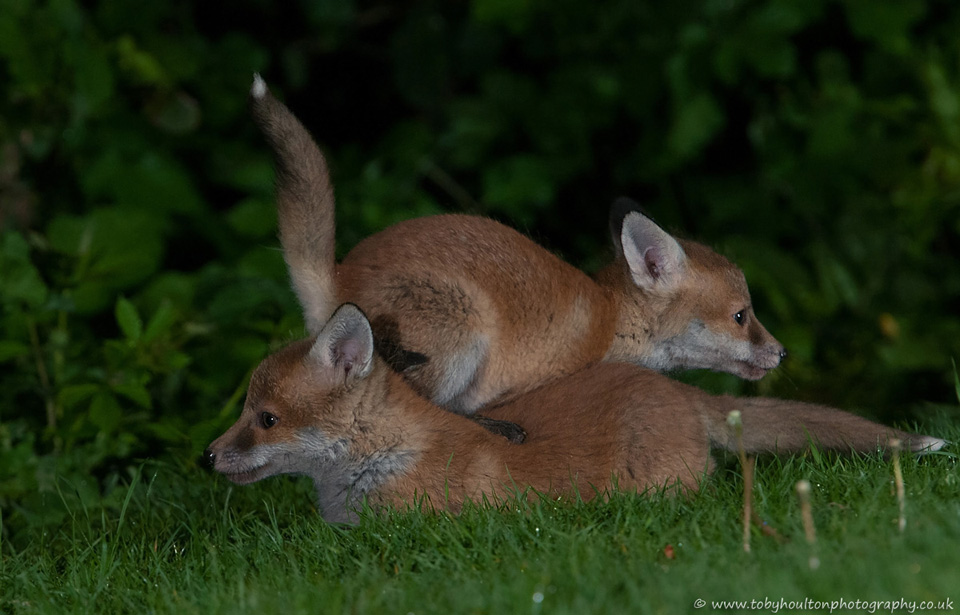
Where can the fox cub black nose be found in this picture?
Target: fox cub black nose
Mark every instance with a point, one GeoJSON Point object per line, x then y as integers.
{"type": "Point", "coordinates": [783, 353]}
{"type": "Point", "coordinates": [208, 458]}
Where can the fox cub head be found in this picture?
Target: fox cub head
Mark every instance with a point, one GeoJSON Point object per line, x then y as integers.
{"type": "Point", "coordinates": [311, 409]}
{"type": "Point", "coordinates": [691, 304]}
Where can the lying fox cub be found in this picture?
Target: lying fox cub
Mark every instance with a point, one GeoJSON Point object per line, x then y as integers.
{"type": "Point", "coordinates": [330, 408]}
{"type": "Point", "coordinates": [472, 312]}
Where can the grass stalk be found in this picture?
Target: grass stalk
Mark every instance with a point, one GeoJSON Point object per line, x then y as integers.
{"type": "Point", "coordinates": [895, 447]}
{"type": "Point", "coordinates": [735, 420]}
{"type": "Point", "coordinates": [806, 511]}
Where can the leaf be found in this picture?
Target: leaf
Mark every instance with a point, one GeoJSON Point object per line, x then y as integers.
{"type": "Point", "coordinates": [177, 360]}
{"type": "Point", "coordinates": [474, 127]}
{"type": "Point", "coordinates": [169, 432]}
{"type": "Point", "coordinates": [15, 247]}
{"type": "Point", "coordinates": [105, 412]}
{"type": "Point", "coordinates": [139, 64]}
{"type": "Point", "coordinates": [70, 396]}
{"type": "Point", "coordinates": [149, 182]}
{"type": "Point", "coordinates": [253, 218]}
{"type": "Point", "coordinates": [514, 14]}
{"type": "Point", "coordinates": [114, 249]}
{"type": "Point", "coordinates": [11, 350]}
{"type": "Point", "coordinates": [519, 185]}
{"type": "Point", "coordinates": [93, 77]}
{"type": "Point", "coordinates": [20, 280]}
{"type": "Point", "coordinates": [178, 113]}
{"type": "Point", "coordinates": [135, 392]}
{"type": "Point", "coordinates": [128, 319]}
{"type": "Point", "coordinates": [888, 22]}
{"type": "Point", "coordinates": [161, 322]}
{"type": "Point", "coordinates": [696, 122]}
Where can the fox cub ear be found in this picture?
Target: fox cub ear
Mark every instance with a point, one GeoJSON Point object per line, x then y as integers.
{"type": "Point", "coordinates": [655, 258]}
{"type": "Point", "coordinates": [345, 343]}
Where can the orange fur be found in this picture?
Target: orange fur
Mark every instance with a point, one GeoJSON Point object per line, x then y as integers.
{"type": "Point", "coordinates": [341, 416]}
{"type": "Point", "coordinates": [472, 312]}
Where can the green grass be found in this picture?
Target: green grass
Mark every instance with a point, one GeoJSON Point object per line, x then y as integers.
{"type": "Point", "coordinates": [188, 542]}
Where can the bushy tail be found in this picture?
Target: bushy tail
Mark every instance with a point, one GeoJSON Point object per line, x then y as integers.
{"type": "Point", "coordinates": [774, 425]}
{"type": "Point", "coordinates": [305, 205]}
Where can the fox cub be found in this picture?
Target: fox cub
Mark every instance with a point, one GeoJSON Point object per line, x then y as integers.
{"type": "Point", "coordinates": [472, 312]}
{"type": "Point", "coordinates": [330, 408]}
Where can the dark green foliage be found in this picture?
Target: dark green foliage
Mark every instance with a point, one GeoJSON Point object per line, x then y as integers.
{"type": "Point", "coordinates": [816, 143]}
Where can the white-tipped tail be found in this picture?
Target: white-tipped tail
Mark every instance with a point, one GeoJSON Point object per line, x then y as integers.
{"type": "Point", "coordinates": [927, 444]}
{"type": "Point", "coordinates": [305, 205]}
{"type": "Point", "coordinates": [259, 87]}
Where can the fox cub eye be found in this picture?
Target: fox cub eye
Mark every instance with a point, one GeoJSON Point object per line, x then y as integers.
{"type": "Point", "coordinates": [268, 420]}
{"type": "Point", "coordinates": [739, 317]}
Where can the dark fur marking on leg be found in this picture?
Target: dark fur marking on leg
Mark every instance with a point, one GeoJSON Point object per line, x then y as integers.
{"type": "Point", "coordinates": [511, 431]}
{"type": "Point", "coordinates": [386, 341]}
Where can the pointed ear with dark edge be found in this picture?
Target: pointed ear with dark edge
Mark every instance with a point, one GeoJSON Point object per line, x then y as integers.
{"type": "Point", "coordinates": [655, 258]}
{"type": "Point", "coordinates": [345, 343]}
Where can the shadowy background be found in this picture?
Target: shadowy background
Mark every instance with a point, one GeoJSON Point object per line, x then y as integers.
{"type": "Point", "coordinates": [816, 143]}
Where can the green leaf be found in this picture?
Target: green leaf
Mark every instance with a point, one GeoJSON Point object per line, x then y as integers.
{"type": "Point", "coordinates": [114, 249]}
{"type": "Point", "coordinates": [67, 14]}
{"type": "Point", "coordinates": [514, 14]}
{"type": "Point", "coordinates": [179, 113]}
{"type": "Point", "coordinates": [151, 182]}
{"type": "Point", "coordinates": [11, 350]}
{"type": "Point", "coordinates": [254, 218]}
{"type": "Point", "coordinates": [178, 360]}
{"type": "Point", "coordinates": [128, 319]}
{"type": "Point", "coordinates": [105, 412]}
{"type": "Point", "coordinates": [696, 122]}
{"type": "Point", "coordinates": [888, 22]}
{"type": "Point", "coordinates": [135, 392]}
{"type": "Point", "coordinates": [519, 185]}
{"type": "Point", "coordinates": [474, 127]}
{"type": "Point", "coordinates": [20, 280]}
{"type": "Point", "coordinates": [161, 322]}
{"type": "Point", "coordinates": [70, 396]}
{"type": "Point", "coordinates": [94, 84]}
{"type": "Point", "coordinates": [139, 64]}
{"type": "Point", "coordinates": [168, 432]}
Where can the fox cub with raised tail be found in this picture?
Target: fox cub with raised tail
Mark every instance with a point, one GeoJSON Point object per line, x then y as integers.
{"type": "Point", "coordinates": [330, 408]}
{"type": "Point", "coordinates": [472, 312]}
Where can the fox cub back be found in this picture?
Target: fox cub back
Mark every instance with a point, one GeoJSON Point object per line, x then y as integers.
{"type": "Point", "coordinates": [472, 312]}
